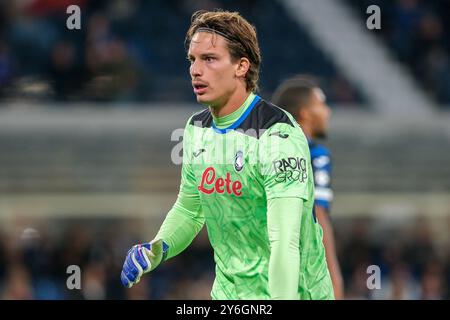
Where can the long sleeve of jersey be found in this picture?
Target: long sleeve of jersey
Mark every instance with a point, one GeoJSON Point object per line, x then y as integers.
{"type": "Point", "coordinates": [185, 220]}
{"type": "Point", "coordinates": [286, 174]}
{"type": "Point", "coordinates": [283, 223]}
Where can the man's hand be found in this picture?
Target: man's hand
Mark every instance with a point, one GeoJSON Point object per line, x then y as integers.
{"type": "Point", "coordinates": [142, 258]}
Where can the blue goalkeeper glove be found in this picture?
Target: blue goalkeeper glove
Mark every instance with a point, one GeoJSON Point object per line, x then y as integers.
{"type": "Point", "coordinates": [142, 258]}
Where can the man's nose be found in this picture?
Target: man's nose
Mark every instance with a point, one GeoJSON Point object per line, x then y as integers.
{"type": "Point", "coordinates": [195, 69]}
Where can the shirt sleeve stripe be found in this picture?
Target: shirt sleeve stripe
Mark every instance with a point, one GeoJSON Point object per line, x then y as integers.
{"type": "Point", "coordinates": [323, 194]}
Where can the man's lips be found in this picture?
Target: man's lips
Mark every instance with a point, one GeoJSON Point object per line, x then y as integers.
{"type": "Point", "coordinates": [199, 87]}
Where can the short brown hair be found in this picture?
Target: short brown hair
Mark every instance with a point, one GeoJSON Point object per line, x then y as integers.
{"type": "Point", "coordinates": [241, 36]}
{"type": "Point", "coordinates": [295, 93]}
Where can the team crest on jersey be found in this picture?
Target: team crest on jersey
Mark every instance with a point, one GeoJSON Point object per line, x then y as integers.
{"type": "Point", "coordinates": [239, 161]}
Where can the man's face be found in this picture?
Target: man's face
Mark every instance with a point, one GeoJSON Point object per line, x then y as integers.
{"type": "Point", "coordinates": [212, 71]}
{"type": "Point", "coordinates": [319, 113]}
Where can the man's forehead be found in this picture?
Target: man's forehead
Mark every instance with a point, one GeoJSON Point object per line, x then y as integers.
{"type": "Point", "coordinates": [206, 41]}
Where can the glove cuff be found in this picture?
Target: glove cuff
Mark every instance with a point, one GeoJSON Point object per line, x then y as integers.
{"type": "Point", "coordinates": [165, 248]}
{"type": "Point", "coordinates": [165, 251]}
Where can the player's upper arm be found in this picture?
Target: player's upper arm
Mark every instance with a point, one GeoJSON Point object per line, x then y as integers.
{"type": "Point", "coordinates": [285, 162]}
{"type": "Point", "coordinates": [188, 183]}
{"type": "Point", "coordinates": [188, 199]}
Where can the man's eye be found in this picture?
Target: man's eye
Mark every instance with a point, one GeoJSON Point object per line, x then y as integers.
{"type": "Point", "coordinates": [209, 59]}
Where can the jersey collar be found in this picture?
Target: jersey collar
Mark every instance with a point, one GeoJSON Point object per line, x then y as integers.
{"type": "Point", "coordinates": [235, 124]}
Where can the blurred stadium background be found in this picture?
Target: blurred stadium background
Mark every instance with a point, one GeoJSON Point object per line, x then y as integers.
{"type": "Point", "coordinates": [86, 123]}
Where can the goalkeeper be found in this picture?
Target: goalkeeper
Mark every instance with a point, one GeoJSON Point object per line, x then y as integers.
{"type": "Point", "coordinates": [246, 175]}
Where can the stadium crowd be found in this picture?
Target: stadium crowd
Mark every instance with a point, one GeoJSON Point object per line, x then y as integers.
{"type": "Point", "coordinates": [33, 263]}
{"type": "Point", "coordinates": [418, 32]}
{"type": "Point", "coordinates": [132, 51]}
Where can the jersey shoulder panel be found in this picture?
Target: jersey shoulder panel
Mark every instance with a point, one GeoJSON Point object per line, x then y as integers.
{"type": "Point", "coordinates": [263, 116]}
{"type": "Point", "coordinates": [202, 119]}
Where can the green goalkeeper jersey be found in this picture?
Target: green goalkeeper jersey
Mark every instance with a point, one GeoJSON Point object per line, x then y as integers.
{"type": "Point", "coordinates": [248, 177]}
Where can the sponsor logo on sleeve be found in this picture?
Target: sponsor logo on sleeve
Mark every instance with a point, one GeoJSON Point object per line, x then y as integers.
{"type": "Point", "coordinates": [291, 169]}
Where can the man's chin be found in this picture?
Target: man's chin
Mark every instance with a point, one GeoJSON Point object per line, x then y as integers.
{"type": "Point", "coordinates": [202, 99]}
{"type": "Point", "coordinates": [206, 101]}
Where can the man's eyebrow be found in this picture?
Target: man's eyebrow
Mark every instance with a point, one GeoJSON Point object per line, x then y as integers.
{"type": "Point", "coordinates": [207, 54]}
{"type": "Point", "coordinates": [204, 54]}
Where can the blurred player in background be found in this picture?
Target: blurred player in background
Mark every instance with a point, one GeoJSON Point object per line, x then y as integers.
{"type": "Point", "coordinates": [246, 174]}
{"type": "Point", "coordinates": [302, 97]}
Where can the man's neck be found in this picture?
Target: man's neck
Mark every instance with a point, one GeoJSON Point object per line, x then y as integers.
{"type": "Point", "coordinates": [234, 102]}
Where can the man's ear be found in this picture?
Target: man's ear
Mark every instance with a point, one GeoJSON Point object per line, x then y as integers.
{"type": "Point", "coordinates": [242, 67]}
{"type": "Point", "coordinates": [303, 113]}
